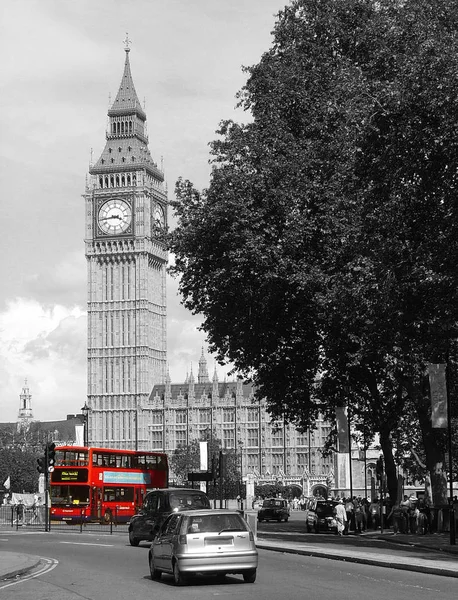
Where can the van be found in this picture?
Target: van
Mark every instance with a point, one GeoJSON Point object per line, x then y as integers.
{"type": "Point", "coordinates": [156, 507]}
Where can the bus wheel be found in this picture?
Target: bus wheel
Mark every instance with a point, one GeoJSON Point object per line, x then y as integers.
{"type": "Point", "coordinates": [107, 516]}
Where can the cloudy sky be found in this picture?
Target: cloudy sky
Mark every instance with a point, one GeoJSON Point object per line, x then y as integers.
{"type": "Point", "coordinates": [62, 60]}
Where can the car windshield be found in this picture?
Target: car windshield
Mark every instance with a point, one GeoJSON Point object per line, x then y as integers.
{"type": "Point", "coordinates": [325, 509]}
{"type": "Point", "coordinates": [180, 501]}
{"type": "Point", "coordinates": [216, 523]}
{"type": "Point", "coordinates": [272, 503]}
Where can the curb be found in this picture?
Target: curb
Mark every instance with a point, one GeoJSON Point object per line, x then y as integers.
{"type": "Point", "coordinates": [19, 572]}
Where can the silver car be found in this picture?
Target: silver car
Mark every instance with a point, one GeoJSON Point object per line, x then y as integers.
{"type": "Point", "coordinates": [214, 542]}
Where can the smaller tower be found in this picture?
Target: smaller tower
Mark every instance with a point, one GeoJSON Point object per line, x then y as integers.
{"type": "Point", "coordinates": [25, 415]}
{"type": "Point", "coordinates": [202, 376]}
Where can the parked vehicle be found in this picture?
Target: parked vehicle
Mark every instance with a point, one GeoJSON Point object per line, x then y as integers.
{"type": "Point", "coordinates": [211, 542]}
{"type": "Point", "coordinates": [319, 515]}
{"type": "Point", "coordinates": [274, 509]}
{"type": "Point", "coordinates": [157, 506]}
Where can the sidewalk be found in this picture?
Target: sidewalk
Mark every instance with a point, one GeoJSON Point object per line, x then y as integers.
{"type": "Point", "coordinates": [431, 553]}
{"type": "Point", "coordinates": [422, 553]}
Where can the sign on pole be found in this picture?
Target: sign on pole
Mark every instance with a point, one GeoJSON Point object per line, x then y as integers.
{"type": "Point", "coordinates": [438, 388]}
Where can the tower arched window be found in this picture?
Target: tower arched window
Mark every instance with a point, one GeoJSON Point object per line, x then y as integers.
{"type": "Point", "coordinates": [101, 182]}
{"type": "Point", "coordinates": [117, 180]}
{"type": "Point", "coordinates": [128, 179]}
{"type": "Point", "coordinates": [106, 181]}
{"type": "Point", "coordinates": [112, 181]}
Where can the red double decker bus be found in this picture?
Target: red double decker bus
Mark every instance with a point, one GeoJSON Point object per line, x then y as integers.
{"type": "Point", "coordinates": [96, 484]}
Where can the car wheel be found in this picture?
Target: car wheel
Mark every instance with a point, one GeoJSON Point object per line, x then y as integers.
{"type": "Point", "coordinates": [132, 539]}
{"type": "Point", "coordinates": [279, 519]}
{"type": "Point", "coordinates": [178, 576]}
{"type": "Point", "coordinates": [286, 519]}
{"type": "Point", "coordinates": [250, 576]}
{"type": "Point", "coordinates": [259, 520]}
{"type": "Point", "coordinates": [155, 573]}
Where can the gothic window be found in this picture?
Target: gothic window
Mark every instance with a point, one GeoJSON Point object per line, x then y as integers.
{"type": "Point", "coordinates": [101, 182]}
{"type": "Point", "coordinates": [109, 150]}
{"type": "Point", "coordinates": [112, 160]}
{"type": "Point", "coordinates": [156, 439]}
{"type": "Point", "coordinates": [277, 438]}
{"type": "Point", "coordinates": [253, 415]}
{"type": "Point", "coordinates": [157, 417]}
{"type": "Point", "coordinates": [117, 178]}
{"type": "Point", "coordinates": [252, 438]}
{"type": "Point", "coordinates": [302, 439]}
{"type": "Point", "coordinates": [119, 149]}
{"type": "Point", "coordinates": [180, 437]}
{"type": "Point", "coordinates": [302, 461]}
{"type": "Point", "coordinates": [180, 416]}
{"type": "Point", "coordinates": [204, 416]}
{"type": "Point", "coordinates": [277, 463]}
{"type": "Point", "coordinates": [103, 161]}
{"type": "Point", "coordinates": [228, 415]}
{"type": "Point", "coordinates": [253, 462]}
{"type": "Point", "coordinates": [228, 438]}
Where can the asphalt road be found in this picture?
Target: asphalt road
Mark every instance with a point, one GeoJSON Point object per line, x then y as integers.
{"type": "Point", "coordinates": [99, 567]}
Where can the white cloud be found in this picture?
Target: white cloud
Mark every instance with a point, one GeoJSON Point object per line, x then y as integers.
{"type": "Point", "coordinates": [46, 346]}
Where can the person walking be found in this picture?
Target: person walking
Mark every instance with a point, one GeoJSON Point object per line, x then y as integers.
{"type": "Point", "coordinates": [341, 518]}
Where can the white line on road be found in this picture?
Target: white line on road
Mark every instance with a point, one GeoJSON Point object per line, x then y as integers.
{"type": "Point", "coordinates": [87, 544]}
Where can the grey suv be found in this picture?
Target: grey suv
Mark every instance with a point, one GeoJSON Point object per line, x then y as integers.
{"type": "Point", "coordinates": [157, 505]}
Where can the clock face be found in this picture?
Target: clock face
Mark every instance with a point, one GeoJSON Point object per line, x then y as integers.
{"type": "Point", "coordinates": [159, 216]}
{"type": "Point", "coordinates": [114, 217]}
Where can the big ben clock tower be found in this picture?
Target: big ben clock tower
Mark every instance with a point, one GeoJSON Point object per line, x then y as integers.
{"type": "Point", "coordinates": [126, 209]}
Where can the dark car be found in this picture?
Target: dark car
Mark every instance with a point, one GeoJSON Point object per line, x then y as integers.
{"type": "Point", "coordinates": [320, 515]}
{"type": "Point", "coordinates": [273, 509]}
{"type": "Point", "coordinates": [157, 505]}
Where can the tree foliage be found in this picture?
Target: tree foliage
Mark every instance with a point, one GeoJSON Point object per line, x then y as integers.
{"type": "Point", "coordinates": [21, 466]}
{"type": "Point", "coordinates": [322, 255]}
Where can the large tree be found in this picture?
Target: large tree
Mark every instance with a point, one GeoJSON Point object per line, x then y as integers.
{"type": "Point", "coordinates": [326, 242]}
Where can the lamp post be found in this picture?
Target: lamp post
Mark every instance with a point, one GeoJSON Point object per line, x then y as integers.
{"type": "Point", "coordinates": [241, 474]}
{"type": "Point", "coordinates": [85, 410]}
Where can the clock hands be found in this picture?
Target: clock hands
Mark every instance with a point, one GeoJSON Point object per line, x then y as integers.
{"type": "Point", "coordinates": [111, 217]}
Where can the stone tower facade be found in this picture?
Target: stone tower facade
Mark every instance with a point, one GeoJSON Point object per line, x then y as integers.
{"type": "Point", "coordinates": [25, 415]}
{"type": "Point", "coordinates": [126, 211]}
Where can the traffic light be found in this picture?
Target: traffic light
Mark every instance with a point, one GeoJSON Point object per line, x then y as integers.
{"type": "Point", "coordinates": [50, 456]}
{"type": "Point", "coordinates": [41, 464]}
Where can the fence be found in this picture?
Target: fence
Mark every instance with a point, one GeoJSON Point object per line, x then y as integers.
{"type": "Point", "coordinates": [17, 516]}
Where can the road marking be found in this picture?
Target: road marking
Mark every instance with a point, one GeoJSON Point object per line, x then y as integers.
{"type": "Point", "coordinates": [87, 544]}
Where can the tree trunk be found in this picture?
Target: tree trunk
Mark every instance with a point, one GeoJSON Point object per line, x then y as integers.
{"type": "Point", "coordinates": [390, 467]}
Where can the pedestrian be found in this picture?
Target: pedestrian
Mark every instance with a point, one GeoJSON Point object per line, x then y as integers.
{"type": "Point", "coordinates": [374, 514]}
{"type": "Point", "coordinates": [396, 515]}
{"type": "Point", "coordinates": [359, 516]}
{"type": "Point", "coordinates": [341, 518]}
{"type": "Point", "coordinates": [405, 506]}
{"type": "Point", "coordinates": [350, 510]}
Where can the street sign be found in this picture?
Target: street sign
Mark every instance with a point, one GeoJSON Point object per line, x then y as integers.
{"type": "Point", "coordinates": [200, 476]}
